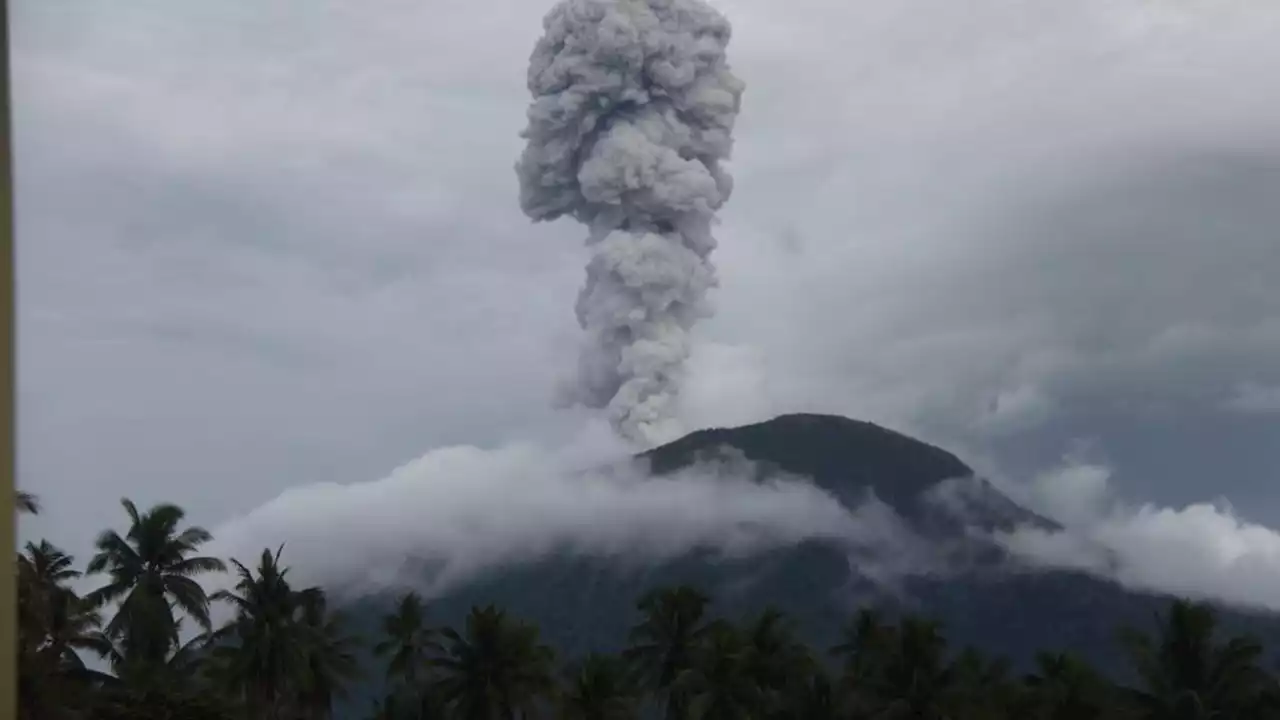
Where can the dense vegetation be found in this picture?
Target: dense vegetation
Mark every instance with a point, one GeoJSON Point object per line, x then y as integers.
{"type": "Point", "coordinates": [286, 655]}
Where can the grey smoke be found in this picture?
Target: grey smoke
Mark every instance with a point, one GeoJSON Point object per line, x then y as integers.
{"type": "Point", "coordinates": [633, 111]}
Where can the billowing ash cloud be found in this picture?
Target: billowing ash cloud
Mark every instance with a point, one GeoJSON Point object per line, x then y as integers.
{"type": "Point", "coordinates": [633, 112]}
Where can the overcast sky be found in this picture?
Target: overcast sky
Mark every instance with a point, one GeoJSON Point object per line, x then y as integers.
{"type": "Point", "coordinates": [271, 245]}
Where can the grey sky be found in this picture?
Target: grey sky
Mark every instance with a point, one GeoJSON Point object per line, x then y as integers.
{"type": "Point", "coordinates": [264, 248]}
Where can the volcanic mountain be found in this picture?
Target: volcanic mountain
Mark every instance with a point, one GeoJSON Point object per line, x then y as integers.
{"type": "Point", "coordinates": [983, 600]}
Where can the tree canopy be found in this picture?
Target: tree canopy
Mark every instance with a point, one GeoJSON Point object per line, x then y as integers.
{"type": "Point", "coordinates": [287, 654]}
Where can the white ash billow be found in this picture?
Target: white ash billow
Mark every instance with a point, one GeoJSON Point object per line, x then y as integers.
{"type": "Point", "coordinates": [632, 114]}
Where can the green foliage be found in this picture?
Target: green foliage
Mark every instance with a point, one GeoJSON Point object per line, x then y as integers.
{"type": "Point", "coordinates": [152, 571]}
{"type": "Point", "coordinates": [496, 668]}
{"type": "Point", "coordinates": [408, 644]}
{"type": "Point", "coordinates": [599, 687]}
{"type": "Point", "coordinates": [663, 643]}
{"type": "Point", "coordinates": [287, 655]}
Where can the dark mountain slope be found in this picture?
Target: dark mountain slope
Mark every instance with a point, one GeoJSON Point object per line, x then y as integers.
{"type": "Point", "coordinates": [584, 604]}
{"type": "Point", "coordinates": [847, 458]}
{"type": "Point", "coordinates": [841, 455]}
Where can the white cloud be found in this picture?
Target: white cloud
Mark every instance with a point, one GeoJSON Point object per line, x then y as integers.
{"type": "Point", "coordinates": [461, 510]}
{"type": "Point", "coordinates": [1203, 550]}
{"type": "Point", "coordinates": [1073, 494]}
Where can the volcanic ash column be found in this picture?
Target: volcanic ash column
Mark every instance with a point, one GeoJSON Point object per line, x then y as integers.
{"type": "Point", "coordinates": [632, 114]}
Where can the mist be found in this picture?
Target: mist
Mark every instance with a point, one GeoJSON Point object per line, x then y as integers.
{"type": "Point", "coordinates": [1203, 551]}
{"type": "Point", "coordinates": [454, 513]}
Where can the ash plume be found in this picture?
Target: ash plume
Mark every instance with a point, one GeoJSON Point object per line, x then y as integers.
{"type": "Point", "coordinates": [633, 111]}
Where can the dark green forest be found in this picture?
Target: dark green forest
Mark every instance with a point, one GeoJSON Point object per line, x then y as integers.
{"type": "Point", "coordinates": [287, 654]}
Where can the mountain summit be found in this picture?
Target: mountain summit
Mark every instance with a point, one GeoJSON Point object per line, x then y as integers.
{"type": "Point", "coordinates": [843, 456]}
{"type": "Point", "coordinates": [849, 459]}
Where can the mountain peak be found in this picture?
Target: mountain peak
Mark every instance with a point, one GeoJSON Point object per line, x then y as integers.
{"type": "Point", "coordinates": [843, 456]}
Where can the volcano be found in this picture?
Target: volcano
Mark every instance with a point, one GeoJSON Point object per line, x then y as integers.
{"type": "Point", "coordinates": [983, 599]}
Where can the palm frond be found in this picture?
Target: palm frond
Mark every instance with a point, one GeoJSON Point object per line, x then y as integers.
{"type": "Point", "coordinates": [26, 502]}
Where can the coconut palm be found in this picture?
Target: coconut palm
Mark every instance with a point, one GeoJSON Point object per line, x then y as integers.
{"type": "Point", "coordinates": [261, 654]}
{"type": "Point", "coordinates": [916, 679]}
{"type": "Point", "coordinates": [599, 688]}
{"type": "Point", "coordinates": [54, 627]}
{"type": "Point", "coordinates": [773, 659]}
{"type": "Point", "coordinates": [43, 571]}
{"type": "Point", "coordinates": [664, 641]}
{"type": "Point", "coordinates": [497, 669]}
{"type": "Point", "coordinates": [173, 689]}
{"type": "Point", "coordinates": [718, 684]}
{"type": "Point", "coordinates": [983, 687]}
{"type": "Point", "coordinates": [866, 646]}
{"type": "Point", "coordinates": [329, 655]}
{"type": "Point", "coordinates": [1186, 674]}
{"type": "Point", "coordinates": [152, 569]}
{"type": "Point", "coordinates": [816, 698]}
{"type": "Point", "coordinates": [46, 564]}
{"type": "Point", "coordinates": [178, 673]}
{"type": "Point", "coordinates": [1065, 688]}
{"type": "Point", "coordinates": [408, 645]}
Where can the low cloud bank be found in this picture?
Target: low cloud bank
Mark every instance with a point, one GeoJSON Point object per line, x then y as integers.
{"type": "Point", "coordinates": [462, 510]}
{"type": "Point", "coordinates": [456, 512]}
{"type": "Point", "coordinates": [1204, 551]}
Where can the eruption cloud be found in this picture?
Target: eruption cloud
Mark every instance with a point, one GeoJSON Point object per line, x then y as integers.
{"type": "Point", "coordinates": [632, 114]}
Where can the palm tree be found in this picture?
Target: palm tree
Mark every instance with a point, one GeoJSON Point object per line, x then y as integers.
{"type": "Point", "coordinates": [982, 687]}
{"type": "Point", "coordinates": [599, 688]}
{"type": "Point", "coordinates": [1063, 687]}
{"type": "Point", "coordinates": [329, 655]}
{"type": "Point", "coordinates": [916, 680]}
{"type": "Point", "coordinates": [663, 643]}
{"type": "Point", "coordinates": [773, 659]}
{"type": "Point", "coordinates": [152, 570]}
{"type": "Point", "coordinates": [813, 699]}
{"type": "Point", "coordinates": [866, 647]}
{"type": "Point", "coordinates": [43, 570]}
{"type": "Point", "coordinates": [408, 644]}
{"type": "Point", "coordinates": [498, 669]}
{"type": "Point", "coordinates": [1185, 674]}
{"type": "Point", "coordinates": [175, 688]}
{"type": "Point", "coordinates": [54, 626]}
{"type": "Point", "coordinates": [1268, 704]}
{"type": "Point", "coordinates": [261, 654]}
{"type": "Point", "coordinates": [180, 672]}
{"type": "Point", "coordinates": [718, 684]}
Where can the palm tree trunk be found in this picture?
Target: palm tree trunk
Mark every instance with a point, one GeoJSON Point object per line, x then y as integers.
{"type": "Point", "coordinates": [675, 708]}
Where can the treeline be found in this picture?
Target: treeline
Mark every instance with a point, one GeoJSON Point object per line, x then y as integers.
{"type": "Point", "coordinates": [287, 655]}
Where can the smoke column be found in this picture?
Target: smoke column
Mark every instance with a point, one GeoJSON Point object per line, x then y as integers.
{"type": "Point", "coordinates": [633, 111]}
